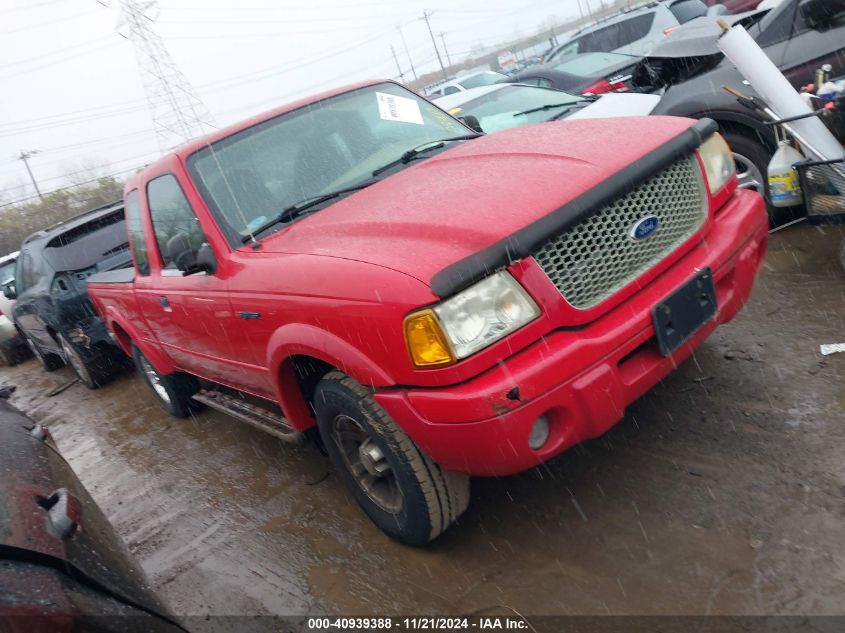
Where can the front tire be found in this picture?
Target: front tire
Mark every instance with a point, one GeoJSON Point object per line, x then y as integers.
{"type": "Point", "coordinates": [401, 489]}
{"type": "Point", "coordinates": [173, 391]}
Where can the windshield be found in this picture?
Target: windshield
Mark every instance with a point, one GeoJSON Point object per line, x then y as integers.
{"type": "Point", "coordinates": [591, 64]}
{"type": "Point", "coordinates": [249, 177]}
{"type": "Point", "coordinates": [481, 79]}
{"type": "Point", "coordinates": [7, 272]}
{"type": "Point", "coordinates": [495, 110]}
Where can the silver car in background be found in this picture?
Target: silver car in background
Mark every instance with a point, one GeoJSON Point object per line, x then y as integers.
{"type": "Point", "coordinates": [12, 346]}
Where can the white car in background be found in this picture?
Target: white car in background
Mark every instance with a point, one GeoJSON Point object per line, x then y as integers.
{"type": "Point", "coordinates": [503, 106]}
{"type": "Point", "coordinates": [466, 82]}
{"type": "Point", "coordinates": [11, 343]}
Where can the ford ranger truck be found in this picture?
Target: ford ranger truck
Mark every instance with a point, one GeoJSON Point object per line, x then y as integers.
{"type": "Point", "coordinates": [432, 303]}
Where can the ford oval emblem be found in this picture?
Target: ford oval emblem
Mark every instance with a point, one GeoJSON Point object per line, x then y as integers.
{"type": "Point", "coordinates": [644, 227]}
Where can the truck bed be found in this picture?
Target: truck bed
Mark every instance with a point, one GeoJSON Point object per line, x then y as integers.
{"type": "Point", "coordinates": [118, 276]}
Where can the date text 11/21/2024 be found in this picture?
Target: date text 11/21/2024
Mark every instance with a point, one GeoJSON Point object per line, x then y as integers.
{"type": "Point", "coordinates": [420, 623]}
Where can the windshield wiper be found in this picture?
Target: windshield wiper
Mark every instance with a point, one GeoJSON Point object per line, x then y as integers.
{"type": "Point", "coordinates": [289, 213]}
{"type": "Point", "coordinates": [428, 146]}
{"type": "Point", "coordinates": [550, 106]}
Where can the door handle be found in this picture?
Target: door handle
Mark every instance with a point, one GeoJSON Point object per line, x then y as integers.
{"type": "Point", "coordinates": [165, 303]}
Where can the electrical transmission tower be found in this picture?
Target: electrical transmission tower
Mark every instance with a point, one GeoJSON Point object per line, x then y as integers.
{"type": "Point", "coordinates": [178, 113]}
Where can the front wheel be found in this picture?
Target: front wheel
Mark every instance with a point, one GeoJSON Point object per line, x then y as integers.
{"type": "Point", "coordinates": [173, 391]}
{"type": "Point", "coordinates": [400, 488]}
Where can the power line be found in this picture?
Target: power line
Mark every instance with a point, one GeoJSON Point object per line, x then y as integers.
{"type": "Point", "coordinates": [31, 5]}
{"type": "Point", "coordinates": [178, 114]}
{"type": "Point", "coordinates": [73, 186]}
{"type": "Point", "coordinates": [66, 18]}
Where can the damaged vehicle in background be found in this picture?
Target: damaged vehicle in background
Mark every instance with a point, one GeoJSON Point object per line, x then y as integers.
{"type": "Point", "coordinates": [52, 310]}
{"type": "Point", "coordinates": [688, 71]}
{"type": "Point", "coordinates": [431, 302]}
{"type": "Point", "coordinates": [503, 106]}
{"type": "Point", "coordinates": [12, 345]}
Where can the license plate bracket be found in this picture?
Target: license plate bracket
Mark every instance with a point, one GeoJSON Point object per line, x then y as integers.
{"type": "Point", "coordinates": [681, 314]}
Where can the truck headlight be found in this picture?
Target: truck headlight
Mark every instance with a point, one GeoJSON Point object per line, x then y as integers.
{"type": "Point", "coordinates": [471, 320]}
{"type": "Point", "coordinates": [718, 162]}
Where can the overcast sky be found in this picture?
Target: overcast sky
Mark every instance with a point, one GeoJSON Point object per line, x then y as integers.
{"type": "Point", "coordinates": [70, 84]}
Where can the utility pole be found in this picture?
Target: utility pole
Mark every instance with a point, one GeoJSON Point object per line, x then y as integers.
{"type": "Point", "coordinates": [407, 53]}
{"type": "Point", "coordinates": [23, 157]}
{"type": "Point", "coordinates": [398, 67]}
{"type": "Point", "coordinates": [425, 17]}
{"type": "Point", "coordinates": [445, 50]}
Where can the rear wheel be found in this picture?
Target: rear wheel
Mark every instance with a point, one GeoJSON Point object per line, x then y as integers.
{"type": "Point", "coordinates": [173, 391]}
{"type": "Point", "coordinates": [400, 488]}
{"type": "Point", "coordinates": [92, 374]}
{"type": "Point", "coordinates": [50, 362]}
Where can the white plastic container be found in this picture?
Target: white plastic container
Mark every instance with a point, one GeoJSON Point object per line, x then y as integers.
{"type": "Point", "coordinates": [784, 183]}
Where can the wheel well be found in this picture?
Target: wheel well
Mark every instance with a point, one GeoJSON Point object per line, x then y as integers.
{"type": "Point", "coordinates": [122, 337]}
{"type": "Point", "coordinates": [309, 371]}
{"type": "Point", "coordinates": [298, 378]}
{"type": "Point", "coordinates": [732, 127]}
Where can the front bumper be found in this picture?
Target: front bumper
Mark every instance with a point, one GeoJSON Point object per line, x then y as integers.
{"type": "Point", "coordinates": [581, 380]}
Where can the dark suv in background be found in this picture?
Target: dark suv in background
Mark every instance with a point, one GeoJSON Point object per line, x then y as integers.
{"type": "Point", "coordinates": [52, 311]}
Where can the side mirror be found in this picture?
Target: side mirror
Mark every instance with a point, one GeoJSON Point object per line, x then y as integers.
{"type": "Point", "coordinates": [206, 261]}
{"type": "Point", "coordinates": [179, 252]}
{"type": "Point", "coordinates": [717, 10]}
{"type": "Point", "coordinates": [821, 12]}
{"type": "Point", "coordinates": [10, 292]}
{"type": "Point", "coordinates": [471, 122]}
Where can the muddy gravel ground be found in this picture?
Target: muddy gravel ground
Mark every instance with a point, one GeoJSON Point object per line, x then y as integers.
{"type": "Point", "coordinates": [721, 492]}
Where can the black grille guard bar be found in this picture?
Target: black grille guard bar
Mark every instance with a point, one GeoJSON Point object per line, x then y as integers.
{"type": "Point", "coordinates": [468, 270]}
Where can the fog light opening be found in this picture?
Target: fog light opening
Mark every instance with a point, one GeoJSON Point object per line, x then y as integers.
{"type": "Point", "coordinates": [539, 433]}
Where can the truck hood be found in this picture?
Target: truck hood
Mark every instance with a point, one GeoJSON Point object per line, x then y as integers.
{"type": "Point", "coordinates": [447, 207]}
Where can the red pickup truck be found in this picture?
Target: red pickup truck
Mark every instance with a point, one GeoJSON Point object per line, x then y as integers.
{"type": "Point", "coordinates": [431, 302]}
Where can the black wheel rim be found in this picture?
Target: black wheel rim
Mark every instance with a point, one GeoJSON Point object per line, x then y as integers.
{"type": "Point", "coordinates": [365, 461]}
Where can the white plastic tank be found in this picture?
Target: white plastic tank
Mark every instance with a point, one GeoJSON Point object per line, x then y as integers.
{"type": "Point", "coordinates": [784, 183]}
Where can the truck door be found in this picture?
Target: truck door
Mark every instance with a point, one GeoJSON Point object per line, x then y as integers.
{"type": "Point", "coordinates": [190, 315]}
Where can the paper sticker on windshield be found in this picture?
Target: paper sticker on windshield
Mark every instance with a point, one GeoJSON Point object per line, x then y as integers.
{"type": "Point", "coordinates": [393, 108]}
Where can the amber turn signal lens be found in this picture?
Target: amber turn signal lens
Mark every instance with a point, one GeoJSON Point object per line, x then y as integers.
{"type": "Point", "coordinates": [426, 342]}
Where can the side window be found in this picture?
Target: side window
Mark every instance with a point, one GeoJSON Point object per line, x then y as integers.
{"type": "Point", "coordinates": [136, 233]}
{"type": "Point", "coordinates": [176, 227]}
{"type": "Point", "coordinates": [450, 90]}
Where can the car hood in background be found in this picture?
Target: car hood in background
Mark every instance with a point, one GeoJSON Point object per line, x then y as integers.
{"type": "Point", "coordinates": [458, 202]}
{"type": "Point", "coordinates": [617, 104]}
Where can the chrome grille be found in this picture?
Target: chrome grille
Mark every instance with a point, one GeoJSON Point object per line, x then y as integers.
{"type": "Point", "coordinates": [597, 257]}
